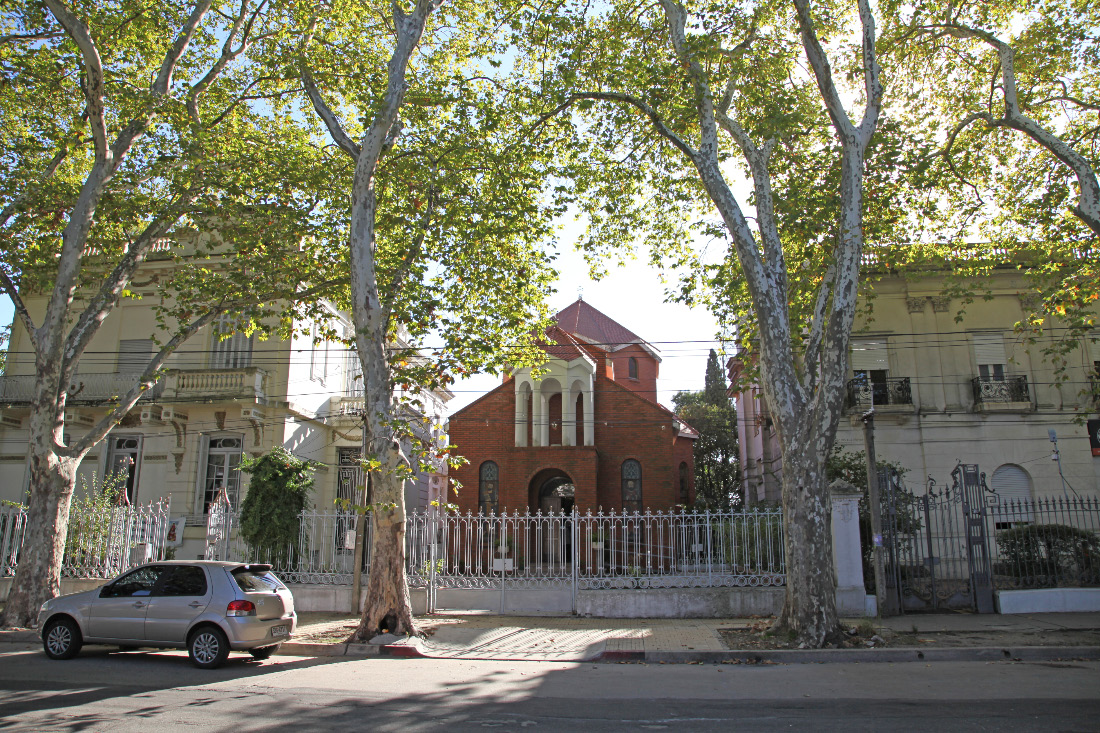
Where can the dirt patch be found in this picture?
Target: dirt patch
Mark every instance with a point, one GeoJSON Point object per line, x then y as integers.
{"type": "Point", "coordinates": [758, 635]}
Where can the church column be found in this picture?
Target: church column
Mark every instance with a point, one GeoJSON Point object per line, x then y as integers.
{"type": "Point", "coordinates": [521, 415]}
{"type": "Point", "coordinates": [538, 408]}
{"type": "Point", "coordinates": [589, 416]}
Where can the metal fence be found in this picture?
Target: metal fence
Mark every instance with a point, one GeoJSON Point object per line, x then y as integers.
{"type": "Point", "coordinates": [544, 550]}
{"type": "Point", "coordinates": [100, 542]}
{"type": "Point", "coordinates": [1046, 543]}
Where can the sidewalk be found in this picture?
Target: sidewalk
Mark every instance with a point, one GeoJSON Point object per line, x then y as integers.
{"type": "Point", "coordinates": [954, 636]}
{"type": "Point", "coordinates": [909, 638]}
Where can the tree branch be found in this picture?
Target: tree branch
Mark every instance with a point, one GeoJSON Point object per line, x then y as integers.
{"type": "Point", "coordinates": [21, 311]}
{"type": "Point", "coordinates": [332, 122]}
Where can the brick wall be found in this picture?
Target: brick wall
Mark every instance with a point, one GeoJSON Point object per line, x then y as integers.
{"type": "Point", "coordinates": [626, 426]}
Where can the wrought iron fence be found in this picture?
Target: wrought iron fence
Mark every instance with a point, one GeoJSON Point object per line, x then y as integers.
{"type": "Point", "coordinates": [545, 550]}
{"type": "Point", "coordinates": [100, 542]}
{"type": "Point", "coordinates": [1046, 543]}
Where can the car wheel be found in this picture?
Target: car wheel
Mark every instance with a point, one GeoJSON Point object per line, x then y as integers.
{"type": "Point", "coordinates": [264, 652]}
{"type": "Point", "coordinates": [208, 647]}
{"type": "Point", "coordinates": [62, 639]}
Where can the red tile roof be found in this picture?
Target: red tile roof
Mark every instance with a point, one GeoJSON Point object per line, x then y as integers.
{"type": "Point", "coordinates": [583, 320]}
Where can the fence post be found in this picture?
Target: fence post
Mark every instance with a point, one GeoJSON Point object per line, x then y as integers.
{"type": "Point", "coordinates": [851, 597]}
{"type": "Point", "coordinates": [575, 529]}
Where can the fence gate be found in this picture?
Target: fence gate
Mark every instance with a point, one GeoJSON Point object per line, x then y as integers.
{"type": "Point", "coordinates": [937, 544]}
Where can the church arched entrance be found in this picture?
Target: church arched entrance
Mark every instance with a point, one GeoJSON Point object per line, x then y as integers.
{"type": "Point", "coordinates": [553, 492]}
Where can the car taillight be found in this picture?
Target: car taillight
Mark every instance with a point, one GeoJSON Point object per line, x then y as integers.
{"type": "Point", "coordinates": [240, 608]}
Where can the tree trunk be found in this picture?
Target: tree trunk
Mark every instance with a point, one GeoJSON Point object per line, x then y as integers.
{"type": "Point", "coordinates": [38, 575]}
{"type": "Point", "coordinates": [809, 609]}
{"type": "Point", "coordinates": [387, 607]}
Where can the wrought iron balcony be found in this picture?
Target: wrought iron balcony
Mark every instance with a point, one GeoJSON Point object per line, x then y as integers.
{"type": "Point", "coordinates": [83, 389]}
{"type": "Point", "coordinates": [1010, 389]}
{"type": "Point", "coordinates": [863, 393]}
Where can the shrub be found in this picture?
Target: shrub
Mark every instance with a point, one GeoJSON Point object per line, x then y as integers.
{"type": "Point", "coordinates": [277, 494]}
{"type": "Point", "coordinates": [1049, 553]}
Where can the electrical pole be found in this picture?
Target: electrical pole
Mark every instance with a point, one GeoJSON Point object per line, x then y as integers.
{"type": "Point", "coordinates": [874, 505]}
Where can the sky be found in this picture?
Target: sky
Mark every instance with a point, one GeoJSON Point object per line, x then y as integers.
{"type": "Point", "coordinates": [632, 295]}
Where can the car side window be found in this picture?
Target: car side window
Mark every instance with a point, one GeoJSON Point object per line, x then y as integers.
{"type": "Point", "coordinates": [139, 582]}
{"type": "Point", "coordinates": [183, 580]}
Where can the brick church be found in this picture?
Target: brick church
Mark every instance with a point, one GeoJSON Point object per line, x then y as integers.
{"type": "Point", "coordinates": [586, 433]}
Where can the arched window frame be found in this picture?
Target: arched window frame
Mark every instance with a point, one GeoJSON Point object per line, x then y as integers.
{"type": "Point", "coordinates": [488, 490]}
{"type": "Point", "coordinates": [631, 472]}
{"type": "Point", "coordinates": [632, 368]}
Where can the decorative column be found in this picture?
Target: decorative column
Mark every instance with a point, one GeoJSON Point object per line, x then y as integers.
{"type": "Point", "coordinates": [589, 416]}
{"type": "Point", "coordinates": [851, 596]}
{"type": "Point", "coordinates": [538, 410]}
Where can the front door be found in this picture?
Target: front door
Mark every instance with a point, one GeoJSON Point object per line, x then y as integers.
{"type": "Point", "coordinates": [119, 611]}
{"type": "Point", "coordinates": [182, 594]}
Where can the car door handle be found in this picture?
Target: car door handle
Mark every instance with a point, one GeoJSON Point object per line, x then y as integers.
{"type": "Point", "coordinates": [139, 604]}
{"type": "Point", "coordinates": [194, 604]}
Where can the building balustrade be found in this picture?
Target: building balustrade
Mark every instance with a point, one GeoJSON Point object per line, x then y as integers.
{"type": "Point", "coordinates": [180, 385]}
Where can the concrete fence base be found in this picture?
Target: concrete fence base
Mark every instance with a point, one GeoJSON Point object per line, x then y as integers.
{"type": "Point", "coordinates": [680, 602]}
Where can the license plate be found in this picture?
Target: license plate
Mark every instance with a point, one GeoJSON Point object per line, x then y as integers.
{"type": "Point", "coordinates": [279, 631]}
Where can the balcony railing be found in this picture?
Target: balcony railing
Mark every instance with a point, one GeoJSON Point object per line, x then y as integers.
{"type": "Point", "coordinates": [176, 385]}
{"type": "Point", "coordinates": [83, 389]}
{"type": "Point", "coordinates": [990, 391]}
{"type": "Point", "coordinates": [893, 391]}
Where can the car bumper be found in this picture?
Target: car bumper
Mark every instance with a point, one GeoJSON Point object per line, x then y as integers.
{"type": "Point", "coordinates": [249, 633]}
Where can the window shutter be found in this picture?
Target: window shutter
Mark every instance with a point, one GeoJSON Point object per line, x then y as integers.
{"type": "Point", "coordinates": [989, 348]}
{"type": "Point", "coordinates": [870, 355]}
{"type": "Point", "coordinates": [134, 355]}
{"type": "Point", "coordinates": [1012, 484]}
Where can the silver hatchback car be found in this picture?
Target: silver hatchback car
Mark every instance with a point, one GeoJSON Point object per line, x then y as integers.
{"type": "Point", "coordinates": [205, 607]}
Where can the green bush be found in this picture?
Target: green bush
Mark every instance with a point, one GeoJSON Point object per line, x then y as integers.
{"type": "Point", "coordinates": [277, 494]}
{"type": "Point", "coordinates": [1053, 552]}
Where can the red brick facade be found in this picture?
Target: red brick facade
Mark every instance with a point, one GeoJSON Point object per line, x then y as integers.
{"type": "Point", "coordinates": [628, 425]}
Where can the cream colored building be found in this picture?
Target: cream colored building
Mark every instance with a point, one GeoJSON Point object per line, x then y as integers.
{"type": "Point", "coordinates": [946, 391]}
{"type": "Point", "coordinates": [219, 400]}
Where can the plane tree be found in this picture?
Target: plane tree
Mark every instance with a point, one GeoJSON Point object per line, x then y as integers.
{"type": "Point", "coordinates": [131, 129]}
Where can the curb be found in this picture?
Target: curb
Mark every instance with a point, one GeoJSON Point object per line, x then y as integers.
{"type": "Point", "coordinates": [315, 649]}
{"type": "Point", "coordinates": [28, 636]}
{"type": "Point", "coordinates": [861, 656]}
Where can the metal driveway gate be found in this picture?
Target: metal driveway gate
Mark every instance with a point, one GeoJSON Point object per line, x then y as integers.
{"type": "Point", "coordinates": [938, 544]}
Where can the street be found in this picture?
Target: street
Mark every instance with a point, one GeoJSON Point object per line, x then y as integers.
{"type": "Point", "coordinates": [145, 690]}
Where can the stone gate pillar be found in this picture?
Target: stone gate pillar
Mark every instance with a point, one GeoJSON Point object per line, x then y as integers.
{"type": "Point", "coordinates": [851, 597]}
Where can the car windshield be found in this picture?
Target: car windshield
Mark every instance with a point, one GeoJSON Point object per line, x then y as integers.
{"type": "Point", "coordinates": [256, 581]}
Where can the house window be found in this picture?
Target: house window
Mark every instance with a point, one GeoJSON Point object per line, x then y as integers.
{"type": "Point", "coordinates": [632, 485]}
{"type": "Point", "coordinates": [684, 483]}
{"type": "Point", "coordinates": [349, 476]}
{"type": "Point", "coordinates": [122, 460]}
{"type": "Point", "coordinates": [989, 355]}
{"type": "Point", "coordinates": [233, 351]}
{"type": "Point", "coordinates": [632, 366]}
{"type": "Point", "coordinates": [488, 491]}
{"type": "Point", "coordinates": [134, 355]}
{"type": "Point", "coordinates": [871, 369]}
{"type": "Point", "coordinates": [223, 469]}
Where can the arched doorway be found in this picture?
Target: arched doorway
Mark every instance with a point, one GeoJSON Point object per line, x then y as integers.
{"type": "Point", "coordinates": [553, 492]}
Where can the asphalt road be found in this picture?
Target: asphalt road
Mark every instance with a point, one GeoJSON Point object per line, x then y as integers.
{"type": "Point", "coordinates": [160, 691]}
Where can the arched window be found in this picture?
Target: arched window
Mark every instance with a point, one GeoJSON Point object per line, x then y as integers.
{"type": "Point", "coordinates": [684, 483]}
{"type": "Point", "coordinates": [633, 368]}
{"type": "Point", "coordinates": [488, 491]}
{"type": "Point", "coordinates": [632, 485]}
{"type": "Point", "coordinates": [1012, 485]}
